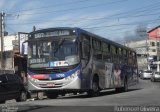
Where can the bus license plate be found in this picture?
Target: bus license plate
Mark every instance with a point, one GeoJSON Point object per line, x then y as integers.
{"type": "Point", "coordinates": [50, 85]}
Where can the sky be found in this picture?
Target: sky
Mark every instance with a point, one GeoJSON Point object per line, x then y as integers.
{"type": "Point", "coordinates": [111, 19]}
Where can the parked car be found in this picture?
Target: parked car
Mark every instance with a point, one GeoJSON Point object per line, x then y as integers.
{"type": "Point", "coordinates": [146, 74]}
{"type": "Point", "coordinates": [11, 87]}
{"type": "Point", "coordinates": [155, 76]}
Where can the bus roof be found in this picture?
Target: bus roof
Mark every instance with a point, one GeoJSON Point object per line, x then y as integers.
{"type": "Point", "coordinates": [80, 30]}
{"type": "Point", "coordinates": [104, 39]}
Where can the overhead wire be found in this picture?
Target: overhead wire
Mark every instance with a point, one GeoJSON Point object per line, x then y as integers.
{"type": "Point", "coordinates": [73, 9]}
{"type": "Point", "coordinates": [123, 24]}
{"type": "Point", "coordinates": [44, 7]}
{"type": "Point", "coordinates": [114, 15]}
{"type": "Point", "coordinates": [86, 18]}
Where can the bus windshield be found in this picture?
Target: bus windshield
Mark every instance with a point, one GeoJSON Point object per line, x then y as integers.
{"type": "Point", "coordinates": [53, 53]}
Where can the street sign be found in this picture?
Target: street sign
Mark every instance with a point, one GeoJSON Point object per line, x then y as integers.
{"type": "Point", "coordinates": [23, 46]}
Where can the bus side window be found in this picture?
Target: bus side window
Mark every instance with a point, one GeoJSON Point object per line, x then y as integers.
{"type": "Point", "coordinates": [97, 49]}
{"type": "Point", "coordinates": [125, 57]}
{"type": "Point", "coordinates": [106, 52]}
{"type": "Point", "coordinates": [130, 59]}
{"type": "Point", "coordinates": [120, 52]}
{"type": "Point", "coordinates": [85, 46]}
{"type": "Point", "coordinates": [115, 54]}
{"type": "Point", "coordinates": [134, 59]}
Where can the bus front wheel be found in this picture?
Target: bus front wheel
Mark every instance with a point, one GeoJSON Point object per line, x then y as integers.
{"type": "Point", "coordinates": [95, 89]}
{"type": "Point", "coordinates": [40, 95]}
{"type": "Point", "coordinates": [22, 96]}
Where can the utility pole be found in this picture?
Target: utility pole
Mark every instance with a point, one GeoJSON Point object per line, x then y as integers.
{"type": "Point", "coordinates": [2, 14]}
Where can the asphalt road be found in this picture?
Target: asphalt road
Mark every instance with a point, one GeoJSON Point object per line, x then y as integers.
{"type": "Point", "coordinates": [145, 94]}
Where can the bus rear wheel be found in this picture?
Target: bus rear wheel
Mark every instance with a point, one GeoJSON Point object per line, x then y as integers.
{"type": "Point", "coordinates": [124, 88]}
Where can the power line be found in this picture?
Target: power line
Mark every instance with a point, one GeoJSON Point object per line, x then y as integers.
{"type": "Point", "coordinates": [141, 15]}
{"type": "Point", "coordinates": [137, 9]}
{"type": "Point", "coordinates": [148, 7]}
{"type": "Point", "coordinates": [113, 16]}
{"type": "Point", "coordinates": [38, 8]}
{"type": "Point", "coordinates": [73, 9]}
{"type": "Point", "coordinates": [151, 5]}
{"type": "Point", "coordinates": [124, 24]}
{"type": "Point", "coordinates": [89, 19]}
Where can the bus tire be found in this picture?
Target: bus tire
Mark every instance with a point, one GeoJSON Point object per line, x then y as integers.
{"type": "Point", "coordinates": [22, 96]}
{"type": "Point", "coordinates": [95, 88]}
{"type": "Point", "coordinates": [40, 95]}
{"type": "Point", "coordinates": [51, 95]}
{"type": "Point", "coordinates": [125, 86]}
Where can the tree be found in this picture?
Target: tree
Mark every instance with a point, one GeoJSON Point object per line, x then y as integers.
{"type": "Point", "coordinates": [140, 33]}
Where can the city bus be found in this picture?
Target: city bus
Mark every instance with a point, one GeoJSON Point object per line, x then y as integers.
{"type": "Point", "coordinates": [72, 60]}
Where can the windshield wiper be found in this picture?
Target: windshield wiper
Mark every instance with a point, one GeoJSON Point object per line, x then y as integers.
{"type": "Point", "coordinates": [60, 43]}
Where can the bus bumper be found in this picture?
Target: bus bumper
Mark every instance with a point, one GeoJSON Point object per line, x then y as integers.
{"type": "Point", "coordinates": [54, 85]}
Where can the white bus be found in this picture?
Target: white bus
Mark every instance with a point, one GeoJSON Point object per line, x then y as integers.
{"type": "Point", "coordinates": [63, 60]}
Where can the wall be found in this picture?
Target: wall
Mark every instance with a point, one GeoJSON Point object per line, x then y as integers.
{"type": "Point", "coordinates": [8, 56]}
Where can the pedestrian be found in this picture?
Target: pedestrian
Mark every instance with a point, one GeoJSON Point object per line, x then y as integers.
{"type": "Point", "coordinates": [117, 78]}
{"type": "Point", "coordinates": [23, 77]}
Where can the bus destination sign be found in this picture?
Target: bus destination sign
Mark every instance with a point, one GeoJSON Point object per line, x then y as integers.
{"type": "Point", "coordinates": [51, 34]}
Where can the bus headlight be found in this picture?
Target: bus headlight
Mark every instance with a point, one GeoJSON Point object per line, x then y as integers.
{"type": "Point", "coordinates": [32, 79]}
{"type": "Point", "coordinates": [73, 75]}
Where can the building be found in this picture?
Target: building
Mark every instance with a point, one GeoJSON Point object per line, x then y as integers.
{"type": "Point", "coordinates": [148, 51]}
{"type": "Point", "coordinates": [7, 61]}
{"type": "Point", "coordinates": [154, 47]}
{"type": "Point", "coordinates": [141, 49]}
{"type": "Point", "coordinates": [12, 59]}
